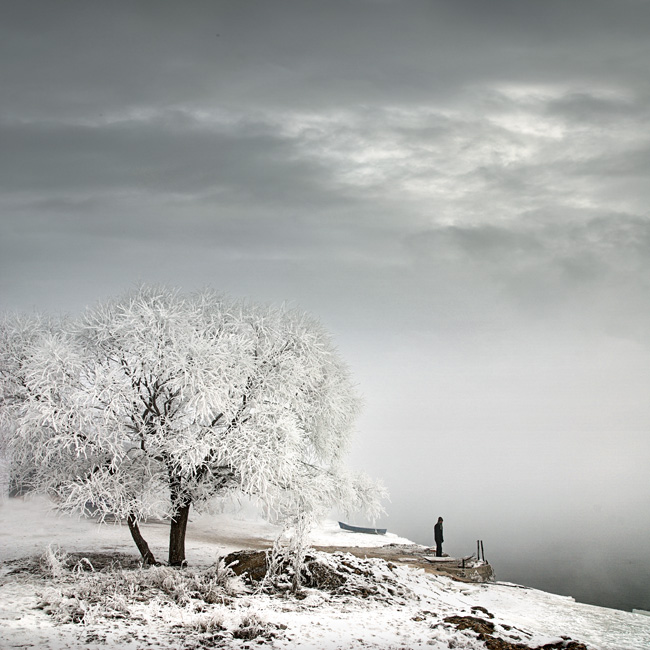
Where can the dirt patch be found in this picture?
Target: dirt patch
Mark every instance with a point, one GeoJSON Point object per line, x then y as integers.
{"type": "Point", "coordinates": [103, 561]}
{"type": "Point", "coordinates": [80, 562]}
{"type": "Point", "coordinates": [253, 566]}
{"type": "Point", "coordinates": [337, 573]}
{"type": "Point", "coordinates": [485, 631]}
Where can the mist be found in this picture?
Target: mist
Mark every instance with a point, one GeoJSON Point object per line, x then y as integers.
{"type": "Point", "coordinates": [519, 444]}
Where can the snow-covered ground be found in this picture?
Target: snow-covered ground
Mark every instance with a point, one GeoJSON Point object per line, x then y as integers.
{"type": "Point", "coordinates": [406, 609]}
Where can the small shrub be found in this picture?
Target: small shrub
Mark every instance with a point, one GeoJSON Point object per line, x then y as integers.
{"type": "Point", "coordinates": [213, 622]}
{"type": "Point", "coordinates": [54, 562]}
{"type": "Point", "coordinates": [84, 564]}
{"type": "Point", "coordinates": [253, 627]}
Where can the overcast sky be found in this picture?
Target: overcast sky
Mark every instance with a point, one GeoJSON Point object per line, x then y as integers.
{"type": "Point", "coordinates": [459, 189]}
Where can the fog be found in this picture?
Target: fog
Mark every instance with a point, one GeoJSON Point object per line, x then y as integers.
{"type": "Point", "coordinates": [521, 444]}
{"type": "Point", "coordinates": [458, 190]}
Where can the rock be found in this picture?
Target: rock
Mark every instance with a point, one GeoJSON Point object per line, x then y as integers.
{"type": "Point", "coordinates": [254, 564]}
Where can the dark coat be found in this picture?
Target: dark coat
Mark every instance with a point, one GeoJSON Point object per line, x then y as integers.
{"type": "Point", "coordinates": [437, 533]}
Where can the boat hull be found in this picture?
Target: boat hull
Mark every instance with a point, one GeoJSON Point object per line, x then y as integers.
{"type": "Point", "coordinates": [360, 529]}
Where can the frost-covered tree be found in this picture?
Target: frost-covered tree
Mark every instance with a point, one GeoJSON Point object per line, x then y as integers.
{"type": "Point", "coordinates": [157, 401]}
{"type": "Point", "coordinates": [19, 337]}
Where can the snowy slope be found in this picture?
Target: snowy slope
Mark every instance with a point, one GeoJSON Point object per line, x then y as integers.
{"type": "Point", "coordinates": [407, 611]}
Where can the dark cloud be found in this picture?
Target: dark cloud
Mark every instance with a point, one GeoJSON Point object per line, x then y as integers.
{"type": "Point", "coordinates": [172, 154]}
{"type": "Point", "coordinates": [81, 58]}
{"type": "Point", "coordinates": [587, 108]}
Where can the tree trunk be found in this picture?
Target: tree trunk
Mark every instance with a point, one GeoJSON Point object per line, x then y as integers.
{"type": "Point", "coordinates": [140, 542]}
{"type": "Point", "coordinates": [177, 534]}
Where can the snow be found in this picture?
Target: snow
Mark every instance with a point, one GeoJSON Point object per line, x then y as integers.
{"type": "Point", "coordinates": [329, 533]}
{"type": "Point", "coordinates": [407, 612]}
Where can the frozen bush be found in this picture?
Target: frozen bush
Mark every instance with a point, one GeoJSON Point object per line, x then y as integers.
{"type": "Point", "coordinates": [54, 561]}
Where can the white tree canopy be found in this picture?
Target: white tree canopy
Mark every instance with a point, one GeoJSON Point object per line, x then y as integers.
{"type": "Point", "coordinates": [157, 400]}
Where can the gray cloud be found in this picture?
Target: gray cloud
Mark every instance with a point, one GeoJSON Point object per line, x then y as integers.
{"type": "Point", "coordinates": [595, 274]}
{"type": "Point", "coordinates": [78, 58]}
{"type": "Point", "coordinates": [171, 154]}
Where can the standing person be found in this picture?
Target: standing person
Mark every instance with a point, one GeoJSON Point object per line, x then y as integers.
{"type": "Point", "coordinates": [437, 536]}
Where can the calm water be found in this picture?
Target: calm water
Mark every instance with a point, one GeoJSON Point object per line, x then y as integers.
{"type": "Point", "coordinates": [590, 570]}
